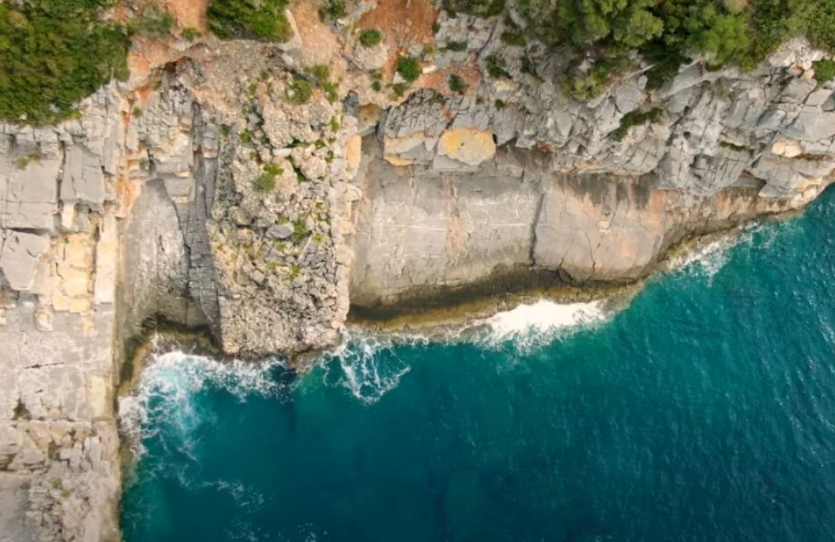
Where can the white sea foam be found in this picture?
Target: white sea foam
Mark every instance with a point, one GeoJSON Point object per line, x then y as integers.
{"type": "Point", "coordinates": [169, 382]}
{"type": "Point", "coordinates": [541, 322]}
{"type": "Point", "coordinates": [368, 365]}
{"type": "Point", "coordinates": [705, 259]}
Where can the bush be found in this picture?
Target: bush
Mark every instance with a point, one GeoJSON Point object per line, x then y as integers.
{"type": "Point", "coordinates": [456, 84]}
{"type": "Point", "coordinates": [636, 118]}
{"type": "Point", "coordinates": [53, 53]}
{"type": "Point", "coordinates": [299, 90]}
{"type": "Point", "coordinates": [265, 21]}
{"type": "Point", "coordinates": [333, 9]}
{"type": "Point", "coordinates": [513, 38]}
{"type": "Point", "coordinates": [496, 67]}
{"type": "Point", "coordinates": [321, 74]}
{"type": "Point", "coordinates": [821, 29]}
{"type": "Point", "coordinates": [409, 68]}
{"type": "Point", "coordinates": [481, 8]}
{"type": "Point", "coordinates": [371, 37]}
{"type": "Point", "coordinates": [190, 34]}
{"type": "Point", "coordinates": [154, 22]}
{"type": "Point", "coordinates": [825, 70]}
{"type": "Point", "coordinates": [456, 46]}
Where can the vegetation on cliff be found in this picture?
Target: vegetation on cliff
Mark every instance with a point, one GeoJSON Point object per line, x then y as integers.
{"type": "Point", "coordinates": [266, 21]}
{"type": "Point", "coordinates": [667, 32]}
{"type": "Point", "coordinates": [52, 54]}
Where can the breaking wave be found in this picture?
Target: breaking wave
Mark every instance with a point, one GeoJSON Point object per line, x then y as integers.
{"type": "Point", "coordinates": [367, 365]}
{"type": "Point", "coordinates": [164, 394]}
{"type": "Point", "coordinates": [534, 325]}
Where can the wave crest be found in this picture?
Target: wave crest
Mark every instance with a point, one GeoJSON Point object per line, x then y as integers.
{"type": "Point", "coordinates": [169, 383]}
{"type": "Point", "coordinates": [369, 366]}
{"type": "Point", "coordinates": [537, 324]}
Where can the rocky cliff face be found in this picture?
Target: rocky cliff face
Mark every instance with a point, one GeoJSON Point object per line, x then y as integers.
{"type": "Point", "coordinates": [59, 240]}
{"type": "Point", "coordinates": [522, 184]}
{"type": "Point", "coordinates": [203, 193]}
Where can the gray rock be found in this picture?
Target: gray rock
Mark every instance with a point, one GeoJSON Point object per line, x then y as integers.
{"type": "Point", "coordinates": [20, 255]}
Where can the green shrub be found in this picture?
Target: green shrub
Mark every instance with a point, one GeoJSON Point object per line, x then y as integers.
{"type": "Point", "coordinates": [399, 89]}
{"type": "Point", "coordinates": [636, 118]}
{"type": "Point", "coordinates": [456, 46]}
{"type": "Point", "coordinates": [733, 146]}
{"type": "Point", "coordinates": [371, 37]}
{"type": "Point", "coordinates": [456, 84]}
{"type": "Point", "coordinates": [377, 86]}
{"type": "Point", "coordinates": [190, 34]}
{"type": "Point", "coordinates": [514, 38]}
{"type": "Point", "coordinates": [321, 75]}
{"type": "Point", "coordinates": [154, 22]}
{"type": "Point", "coordinates": [496, 67]}
{"type": "Point", "coordinates": [825, 70]}
{"type": "Point", "coordinates": [53, 53]}
{"type": "Point", "coordinates": [264, 21]}
{"type": "Point", "coordinates": [529, 67]}
{"type": "Point", "coordinates": [299, 90]}
{"type": "Point", "coordinates": [481, 8]}
{"type": "Point", "coordinates": [409, 68]}
{"type": "Point", "coordinates": [332, 10]}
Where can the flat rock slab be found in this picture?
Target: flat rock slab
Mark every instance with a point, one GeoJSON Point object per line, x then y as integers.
{"type": "Point", "coordinates": [14, 491]}
{"type": "Point", "coordinates": [20, 254]}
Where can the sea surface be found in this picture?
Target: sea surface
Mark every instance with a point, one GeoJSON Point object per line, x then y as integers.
{"type": "Point", "coordinates": [705, 411]}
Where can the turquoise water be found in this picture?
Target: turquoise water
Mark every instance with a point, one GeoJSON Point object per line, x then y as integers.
{"type": "Point", "coordinates": [704, 411]}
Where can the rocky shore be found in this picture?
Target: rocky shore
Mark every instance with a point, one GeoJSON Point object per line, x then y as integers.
{"type": "Point", "coordinates": [203, 192]}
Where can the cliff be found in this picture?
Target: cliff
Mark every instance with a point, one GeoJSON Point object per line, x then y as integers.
{"type": "Point", "coordinates": [261, 190]}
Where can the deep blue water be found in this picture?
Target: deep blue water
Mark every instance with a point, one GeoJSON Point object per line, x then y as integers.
{"type": "Point", "coordinates": [704, 411]}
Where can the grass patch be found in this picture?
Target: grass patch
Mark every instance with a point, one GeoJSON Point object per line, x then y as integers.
{"type": "Point", "coordinates": [265, 183]}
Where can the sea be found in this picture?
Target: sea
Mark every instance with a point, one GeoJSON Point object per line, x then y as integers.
{"type": "Point", "coordinates": [702, 411]}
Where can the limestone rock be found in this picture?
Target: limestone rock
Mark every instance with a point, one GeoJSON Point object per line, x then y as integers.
{"type": "Point", "coordinates": [467, 145]}
{"type": "Point", "coordinates": [20, 255]}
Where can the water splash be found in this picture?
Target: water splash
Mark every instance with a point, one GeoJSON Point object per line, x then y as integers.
{"type": "Point", "coordinates": [164, 395]}
{"type": "Point", "coordinates": [704, 259]}
{"type": "Point", "coordinates": [368, 366]}
{"type": "Point", "coordinates": [540, 323]}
